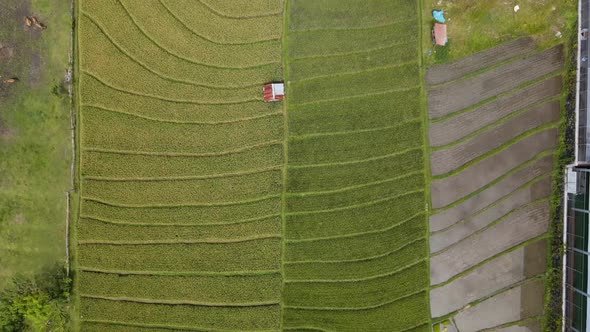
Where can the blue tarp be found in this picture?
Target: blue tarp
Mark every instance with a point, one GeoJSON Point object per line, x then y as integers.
{"type": "Point", "coordinates": [439, 15]}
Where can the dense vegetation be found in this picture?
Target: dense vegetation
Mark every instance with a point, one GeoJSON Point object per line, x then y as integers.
{"type": "Point", "coordinates": [181, 165]}
{"type": "Point", "coordinates": [355, 227]}
{"type": "Point", "coordinates": [40, 303]}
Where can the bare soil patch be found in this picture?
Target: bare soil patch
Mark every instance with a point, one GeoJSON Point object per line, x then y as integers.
{"type": "Point", "coordinates": [20, 54]}
{"type": "Point", "coordinates": [447, 160]}
{"type": "Point", "coordinates": [513, 305]}
{"type": "Point", "coordinates": [518, 199]}
{"type": "Point", "coordinates": [455, 187]}
{"type": "Point", "coordinates": [498, 274]}
{"type": "Point", "coordinates": [455, 128]}
{"type": "Point", "coordinates": [490, 195]}
{"type": "Point", "coordinates": [455, 70]}
{"type": "Point", "coordinates": [6, 52]}
{"type": "Point", "coordinates": [454, 97]}
{"type": "Point", "coordinates": [520, 226]}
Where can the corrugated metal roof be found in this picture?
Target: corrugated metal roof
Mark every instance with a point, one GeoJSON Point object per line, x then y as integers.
{"type": "Point", "coordinates": [274, 91]}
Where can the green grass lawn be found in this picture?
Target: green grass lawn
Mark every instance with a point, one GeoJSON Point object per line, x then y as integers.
{"type": "Point", "coordinates": [35, 155]}
{"type": "Point", "coordinates": [476, 26]}
{"type": "Point", "coordinates": [34, 139]}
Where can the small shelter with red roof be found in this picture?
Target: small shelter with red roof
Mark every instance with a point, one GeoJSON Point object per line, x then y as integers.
{"type": "Point", "coordinates": [274, 92]}
{"type": "Point", "coordinates": [439, 34]}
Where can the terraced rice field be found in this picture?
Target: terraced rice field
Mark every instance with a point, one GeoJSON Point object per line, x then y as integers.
{"type": "Point", "coordinates": [204, 208]}
{"type": "Point", "coordinates": [355, 225]}
{"type": "Point", "coordinates": [181, 165]}
{"type": "Point", "coordinates": [493, 133]}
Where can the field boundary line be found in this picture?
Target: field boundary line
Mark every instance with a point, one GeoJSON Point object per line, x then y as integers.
{"type": "Point", "coordinates": [121, 223]}
{"type": "Point", "coordinates": [185, 273]}
{"type": "Point", "coordinates": [427, 323]}
{"type": "Point", "coordinates": [351, 162]}
{"type": "Point", "coordinates": [312, 328]}
{"type": "Point", "coordinates": [77, 140]}
{"type": "Point", "coordinates": [134, 21]}
{"type": "Point", "coordinates": [398, 299]}
{"type": "Point", "coordinates": [284, 206]}
{"type": "Point", "coordinates": [508, 93]}
{"type": "Point", "coordinates": [424, 110]}
{"type": "Point", "coordinates": [182, 178]}
{"type": "Point", "coordinates": [524, 186]}
{"type": "Point", "coordinates": [355, 280]}
{"type": "Point", "coordinates": [523, 244]}
{"type": "Point", "coordinates": [377, 26]}
{"type": "Point", "coordinates": [370, 94]}
{"type": "Point", "coordinates": [364, 259]}
{"type": "Point", "coordinates": [387, 92]}
{"type": "Point", "coordinates": [168, 242]}
{"type": "Point", "coordinates": [151, 70]}
{"type": "Point", "coordinates": [149, 326]}
{"type": "Point", "coordinates": [305, 328]}
{"type": "Point", "coordinates": [336, 55]}
{"type": "Point", "coordinates": [253, 200]}
{"type": "Point", "coordinates": [358, 131]}
{"type": "Point", "coordinates": [505, 146]}
{"type": "Point", "coordinates": [351, 235]}
{"type": "Point", "coordinates": [358, 186]}
{"type": "Point", "coordinates": [241, 17]}
{"type": "Point", "coordinates": [492, 224]}
{"type": "Point", "coordinates": [178, 101]}
{"type": "Point", "coordinates": [352, 73]}
{"type": "Point", "coordinates": [179, 302]}
{"type": "Point", "coordinates": [209, 39]}
{"type": "Point", "coordinates": [359, 205]}
{"type": "Point", "coordinates": [162, 326]}
{"type": "Point", "coordinates": [512, 171]}
{"type": "Point", "coordinates": [341, 54]}
{"type": "Point", "coordinates": [185, 154]}
{"type": "Point", "coordinates": [212, 123]}
{"type": "Point", "coordinates": [496, 123]}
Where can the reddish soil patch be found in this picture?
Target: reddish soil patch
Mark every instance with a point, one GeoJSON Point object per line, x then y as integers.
{"type": "Point", "coordinates": [523, 225]}
{"type": "Point", "coordinates": [455, 128]}
{"type": "Point", "coordinates": [455, 70]}
{"type": "Point", "coordinates": [455, 187]}
{"type": "Point", "coordinates": [490, 195]}
{"type": "Point", "coordinates": [447, 160]}
{"type": "Point", "coordinates": [497, 274]}
{"type": "Point", "coordinates": [512, 305]}
{"type": "Point", "coordinates": [518, 199]}
{"type": "Point", "coordinates": [457, 96]}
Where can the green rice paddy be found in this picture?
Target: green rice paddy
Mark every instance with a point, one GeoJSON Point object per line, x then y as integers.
{"type": "Point", "coordinates": [204, 208]}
